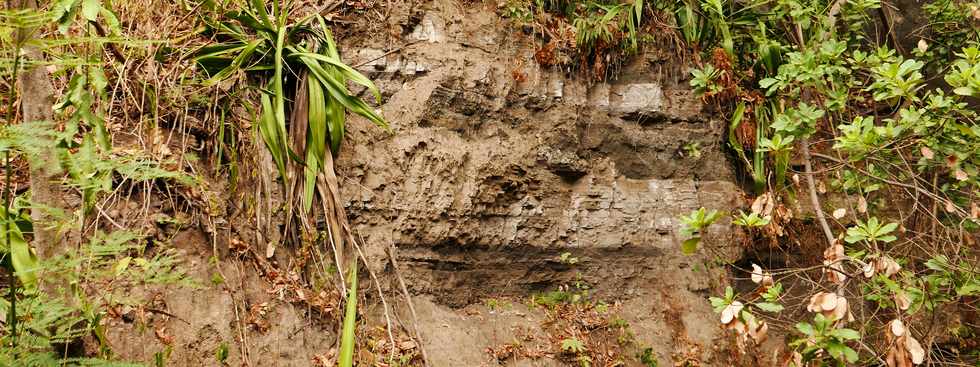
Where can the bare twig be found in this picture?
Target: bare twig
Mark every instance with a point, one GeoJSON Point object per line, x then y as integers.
{"type": "Point", "coordinates": [165, 313]}
{"type": "Point", "coordinates": [805, 141]}
{"type": "Point", "coordinates": [242, 328]}
{"type": "Point", "coordinates": [377, 285]}
{"type": "Point", "coordinates": [814, 199]}
{"type": "Point", "coordinates": [112, 46]}
{"type": "Point", "coordinates": [397, 49]}
{"type": "Point", "coordinates": [408, 300]}
{"type": "Point", "coordinates": [934, 196]}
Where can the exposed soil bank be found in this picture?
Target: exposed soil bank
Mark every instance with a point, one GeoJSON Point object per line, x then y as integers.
{"type": "Point", "coordinates": [495, 168]}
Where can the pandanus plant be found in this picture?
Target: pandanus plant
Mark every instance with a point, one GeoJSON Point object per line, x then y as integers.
{"type": "Point", "coordinates": [255, 41]}
{"type": "Point", "coordinates": [260, 43]}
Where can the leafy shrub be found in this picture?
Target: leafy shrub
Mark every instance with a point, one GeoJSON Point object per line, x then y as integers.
{"type": "Point", "coordinates": [808, 71]}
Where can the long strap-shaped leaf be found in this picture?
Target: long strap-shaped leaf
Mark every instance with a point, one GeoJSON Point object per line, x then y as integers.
{"type": "Point", "coordinates": [347, 341]}
{"type": "Point", "coordinates": [275, 123]}
{"type": "Point", "coordinates": [269, 130]}
{"type": "Point", "coordinates": [315, 138]}
{"type": "Point", "coordinates": [236, 64]}
{"type": "Point", "coordinates": [339, 92]}
{"type": "Point", "coordinates": [261, 12]}
{"type": "Point", "coordinates": [347, 71]}
{"type": "Point", "coordinates": [277, 88]}
{"type": "Point", "coordinates": [336, 114]}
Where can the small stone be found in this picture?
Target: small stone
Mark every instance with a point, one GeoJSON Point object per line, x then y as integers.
{"type": "Point", "coordinates": [641, 98]}
{"type": "Point", "coordinates": [430, 29]}
{"type": "Point", "coordinates": [562, 163]}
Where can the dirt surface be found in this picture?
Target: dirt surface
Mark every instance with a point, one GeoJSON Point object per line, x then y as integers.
{"type": "Point", "coordinates": [494, 168]}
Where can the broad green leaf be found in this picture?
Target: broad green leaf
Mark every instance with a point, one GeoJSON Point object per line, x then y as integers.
{"type": "Point", "coordinates": [712, 216]}
{"type": "Point", "coordinates": [279, 103]}
{"type": "Point", "coordinates": [315, 138]}
{"type": "Point", "coordinates": [66, 5]}
{"type": "Point", "coordinates": [769, 306]}
{"type": "Point", "coordinates": [122, 265]}
{"type": "Point", "coordinates": [737, 117]}
{"type": "Point", "coordinates": [805, 328]}
{"type": "Point", "coordinates": [846, 334]}
{"type": "Point", "coordinates": [772, 294]}
{"type": "Point", "coordinates": [888, 238]}
{"type": "Point", "coordinates": [74, 93]}
{"type": "Point", "coordinates": [964, 91]}
{"type": "Point", "coordinates": [888, 228]}
{"type": "Point", "coordinates": [336, 114]}
{"type": "Point", "coordinates": [24, 261]}
{"type": "Point", "coordinates": [767, 82]}
{"type": "Point", "coordinates": [717, 304]}
{"type": "Point", "coordinates": [111, 21]}
{"type": "Point", "coordinates": [969, 289]}
{"type": "Point", "coordinates": [336, 120]}
{"type": "Point", "coordinates": [98, 79]}
{"type": "Point", "coordinates": [59, 10]}
{"type": "Point", "coordinates": [65, 20]}
{"type": "Point", "coordinates": [841, 351]}
{"type": "Point", "coordinates": [318, 116]}
{"type": "Point", "coordinates": [96, 122]}
{"type": "Point", "coordinates": [690, 246]}
{"type": "Point", "coordinates": [850, 354]}
{"type": "Point", "coordinates": [269, 131]}
{"type": "Point", "coordinates": [90, 9]}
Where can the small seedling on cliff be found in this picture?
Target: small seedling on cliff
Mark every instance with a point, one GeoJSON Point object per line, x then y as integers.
{"type": "Point", "coordinates": [751, 220]}
{"type": "Point", "coordinates": [694, 226]}
{"type": "Point", "coordinates": [647, 358]}
{"type": "Point", "coordinates": [221, 354]}
{"type": "Point", "coordinates": [495, 304]}
{"type": "Point", "coordinates": [567, 258]}
{"type": "Point", "coordinates": [572, 345]}
{"type": "Point", "coordinates": [704, 80]}
{"type": "Point", "coordinates": [692, 150]}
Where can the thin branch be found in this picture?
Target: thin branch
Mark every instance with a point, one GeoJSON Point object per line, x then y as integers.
{"type": "Point", "coordinates": [397, 49]}
{"type": "Point", "coordinates": [381, 295]}
{"type": "Point", "coordinates": [112, 47]}
{"type": "Point", "coordinates": [946, 202]}
{"type": "Point", "coordinates": [411, 306]}
{"type": "Point", "coordinates": [814, 199]}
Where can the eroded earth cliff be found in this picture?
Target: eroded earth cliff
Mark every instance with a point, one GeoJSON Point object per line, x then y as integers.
{"type": "Point", "coordinates": [501, 182]}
